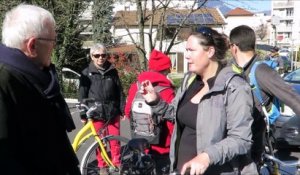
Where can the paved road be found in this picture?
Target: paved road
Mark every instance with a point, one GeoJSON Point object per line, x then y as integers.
{"type": "Point", "coordinates": [285, 155]}
{"type": "Point", "coordinates": [288, 155]}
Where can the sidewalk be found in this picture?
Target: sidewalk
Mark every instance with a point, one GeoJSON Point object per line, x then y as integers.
{"type": "Point", "coordinates": [71, 100]}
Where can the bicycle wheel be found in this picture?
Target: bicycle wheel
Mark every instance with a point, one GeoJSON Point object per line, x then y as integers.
{"type": "Point", "coordinates": [89, 163]}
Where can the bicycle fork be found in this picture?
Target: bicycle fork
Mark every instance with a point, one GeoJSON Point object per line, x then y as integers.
{"type": "Point", "coordinates": [81, 138]}
{"type": "Point", "coordinates": [102, 148]}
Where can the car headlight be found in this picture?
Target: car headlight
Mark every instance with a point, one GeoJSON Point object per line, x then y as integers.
{"type": "Point", "coordinates": [292, 132]}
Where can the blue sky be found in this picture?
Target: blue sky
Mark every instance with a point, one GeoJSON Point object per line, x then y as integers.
{"type": "Point", "coordinates": [251, 5]}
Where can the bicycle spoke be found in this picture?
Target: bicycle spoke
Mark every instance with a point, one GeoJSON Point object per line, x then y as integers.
{"type": "Point", "coordinates": [89, 165]}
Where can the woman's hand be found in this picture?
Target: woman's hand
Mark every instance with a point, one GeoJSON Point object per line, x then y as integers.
{"type": "Point", "coordinates": [197, 165]}
{"type": "Point", "coordinates": [148, 92]}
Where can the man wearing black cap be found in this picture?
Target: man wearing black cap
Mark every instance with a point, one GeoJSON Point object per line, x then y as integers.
{"type": "Point", "coordinates": [274, 55]}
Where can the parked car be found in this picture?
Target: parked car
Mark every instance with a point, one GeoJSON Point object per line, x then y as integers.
{"type": "Point", "coordinates": [293, 78]}
{"type": "Point", "coordinates": [287, 63]}
{"type": "Point", "coordinates": [286, 129]}
{"type": "Point", "coordinates": [284, 52]}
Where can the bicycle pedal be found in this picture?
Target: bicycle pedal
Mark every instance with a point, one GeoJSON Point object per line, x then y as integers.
{"type": "Point", "coordinates": [114, 170]}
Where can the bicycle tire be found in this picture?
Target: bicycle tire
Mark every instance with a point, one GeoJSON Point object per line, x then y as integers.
{"type": "Point", "coordinates": [88, 165]}
{"type": "Point", "coordinates": [265, 170]}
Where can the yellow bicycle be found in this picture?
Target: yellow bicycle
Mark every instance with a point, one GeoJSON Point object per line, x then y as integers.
{"type": "Point", "coordinates": [88, 164]}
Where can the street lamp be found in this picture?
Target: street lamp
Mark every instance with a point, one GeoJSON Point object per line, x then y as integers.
{"type": "Point", "coordinates": [292, 56]}
{"type": "Point", "coordinates": [292, 49]}
{"type": "Point", "coordinates": [275, 20]}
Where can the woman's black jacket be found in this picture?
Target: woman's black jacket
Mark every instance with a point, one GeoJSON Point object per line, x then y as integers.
{"type": "Point", "coordinates": [105, 87]}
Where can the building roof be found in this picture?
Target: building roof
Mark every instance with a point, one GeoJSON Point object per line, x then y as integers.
{"type": "Point", "coordinates": [122, 48]}
{"type": "Point", "coordinates": [202, 16]}
{"type": "Point", "coordinates": [239, 12]}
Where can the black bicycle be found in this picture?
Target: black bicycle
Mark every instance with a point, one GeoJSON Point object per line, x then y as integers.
{"type": "Point", "coordinates": [271, 165]}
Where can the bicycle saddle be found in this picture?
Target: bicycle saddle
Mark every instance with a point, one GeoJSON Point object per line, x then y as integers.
{"type": "Point", "coordinates": [138, 144]}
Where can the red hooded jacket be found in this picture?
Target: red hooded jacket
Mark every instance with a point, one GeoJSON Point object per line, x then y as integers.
{"type": "Point", "coordinates": [168, 94]}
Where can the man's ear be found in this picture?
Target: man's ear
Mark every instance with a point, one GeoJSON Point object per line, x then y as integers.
{"type": "Point", "coordinates": [236, 49]}
{"type": "Point", "coordinates": [30, 48]}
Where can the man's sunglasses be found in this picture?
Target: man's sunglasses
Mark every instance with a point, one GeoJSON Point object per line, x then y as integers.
{"type": "Point", "coordinates": [99, 55]}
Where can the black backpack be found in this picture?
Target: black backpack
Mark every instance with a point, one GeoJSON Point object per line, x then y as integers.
{"type": "Point", "coordinates": [144, 124]}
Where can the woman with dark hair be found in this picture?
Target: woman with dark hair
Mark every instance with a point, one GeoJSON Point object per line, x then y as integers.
{"type": "Point", "coordinates": [212, 111]}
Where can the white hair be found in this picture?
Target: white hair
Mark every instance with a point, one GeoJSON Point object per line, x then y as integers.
{"type": "Point", "coordinates": [96, 47]}
{"type": "Point", "coordinates": [25, 21]}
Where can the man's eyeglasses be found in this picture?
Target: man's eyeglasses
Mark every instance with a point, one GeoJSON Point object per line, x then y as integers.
{"type": "Point", "coordinates": [99, 55]}
{"type": "Point", "coordinates": [48, 39]}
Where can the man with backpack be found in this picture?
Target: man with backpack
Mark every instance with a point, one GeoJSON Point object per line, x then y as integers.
{"type": "Point", "coordinates": [268, 81]}
{"type": "Point", "coordinates": [276, 60]}
{"type": "Point", "coordinates": [136, 110]}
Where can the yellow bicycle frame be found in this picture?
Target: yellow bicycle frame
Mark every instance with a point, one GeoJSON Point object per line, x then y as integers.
{"type": "Point", "coordinates": [86, 132]}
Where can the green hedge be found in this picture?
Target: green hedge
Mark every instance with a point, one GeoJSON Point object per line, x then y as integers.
{"type": "Point", "coordinates": [70, 89]}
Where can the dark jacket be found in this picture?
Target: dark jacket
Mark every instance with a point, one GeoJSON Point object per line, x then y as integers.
{"type": "Point", "coordinates": [271, 84]}
{"type": "Point", "coordinates": [34, 119]}
{"type": "Point", "coordinates": [105, 87]}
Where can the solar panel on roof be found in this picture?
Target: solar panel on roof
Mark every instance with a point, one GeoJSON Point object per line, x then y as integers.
{"type": "Point", "coordinates": [176, 19]}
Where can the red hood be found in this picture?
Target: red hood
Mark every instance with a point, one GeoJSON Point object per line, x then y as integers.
{"type": "Point", "coordinates": [155, 78]}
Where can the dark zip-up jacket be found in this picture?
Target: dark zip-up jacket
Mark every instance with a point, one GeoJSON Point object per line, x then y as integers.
{"type": "Point", "coordinates": [104, 86]}
{"type": "Point", "coordinates": [33, 119]}
{"type": "Point", "coordinates": [271, 84]}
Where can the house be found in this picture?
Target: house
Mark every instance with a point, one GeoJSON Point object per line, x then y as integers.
{"type": "Point", "coordinates": [285, 19]}
{"type": "Point", "coordinates": [286, 27]}
{"type": "Point", "coordinates": [258, 21]}
{"type": "Point", "coordinates": [125, 22]}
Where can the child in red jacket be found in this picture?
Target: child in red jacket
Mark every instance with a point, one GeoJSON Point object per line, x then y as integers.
{"type": "Point", "coordinates": [158, 67]}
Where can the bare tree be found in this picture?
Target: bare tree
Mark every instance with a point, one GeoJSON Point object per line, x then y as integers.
{"type": "Point", "coordinates": [261, 30]}
{"type": "Point", "coordinates": [155, 20]}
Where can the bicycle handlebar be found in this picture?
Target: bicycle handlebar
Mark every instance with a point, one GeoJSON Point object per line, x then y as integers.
{"type": "Point", "coordinates": [83, 107]}
{"type": "Point", "coordinates": [267, 156]}
{"type": "Point", "coordinates": [88, 100]}
{"type": "Point", "coordinates": [272, 158]}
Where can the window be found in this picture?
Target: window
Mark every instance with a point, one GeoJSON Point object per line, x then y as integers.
{"type": "Point", "coordinates": [169, 33]}
{"type": "Point", "coordinates": [289, 23]}
{"type": "Point", "coordinates": [290, 12]}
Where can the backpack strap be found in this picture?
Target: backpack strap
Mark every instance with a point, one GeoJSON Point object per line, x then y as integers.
{"type": "Point", "coordinates": [275, 108]}
{"type": "Point", "coordinates": [188, 79]}
{"type": "Point", "coordinates": [253, 83]}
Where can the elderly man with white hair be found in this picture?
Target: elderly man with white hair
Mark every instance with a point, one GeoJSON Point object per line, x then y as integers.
{"type": "Point", "coordinates": [34, 116]}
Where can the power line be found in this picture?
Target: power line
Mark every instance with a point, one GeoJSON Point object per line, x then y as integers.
{"type": "Point", "coordinates": [244, 4]}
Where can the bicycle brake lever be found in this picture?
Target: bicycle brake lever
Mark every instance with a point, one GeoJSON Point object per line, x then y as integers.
{"type": "Point", "coordinates": [88, 100]}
